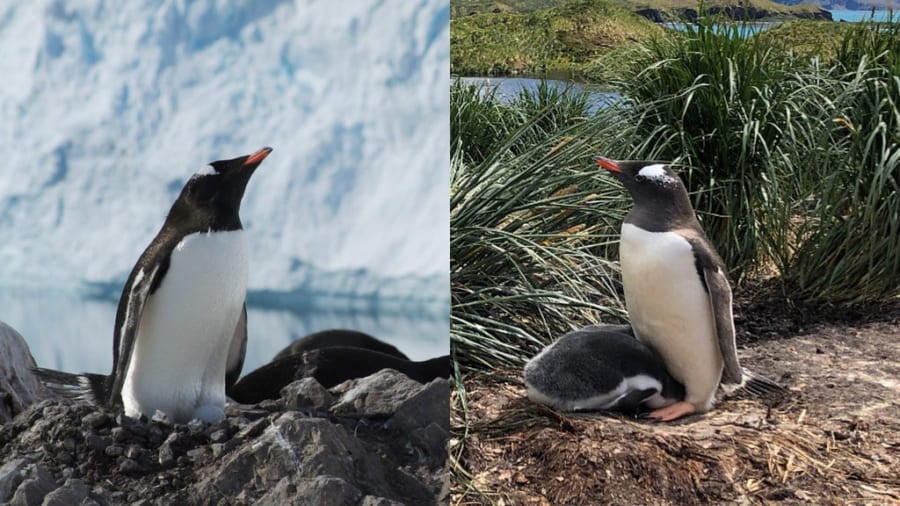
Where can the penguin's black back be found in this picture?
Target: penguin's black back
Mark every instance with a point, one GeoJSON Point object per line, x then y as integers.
{"type": "Point", "coordinates": [339, 337]}
{"type": "Point", "coordinates": [330, 366]}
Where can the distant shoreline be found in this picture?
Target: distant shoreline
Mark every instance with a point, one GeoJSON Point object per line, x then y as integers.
{"type": "Point", "coordinates": [588, 43]}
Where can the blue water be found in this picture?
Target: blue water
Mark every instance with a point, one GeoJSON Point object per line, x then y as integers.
{"type": "Point", "coordinates": [506, 89]}
{"type": "Point", "coordinates": [750, 28]}
{"type": "Point", "coordinates": [70, 331]}
{"type": "Point", "coordinates": [857, 16]}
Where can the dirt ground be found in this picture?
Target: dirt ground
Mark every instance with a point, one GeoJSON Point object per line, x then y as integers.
{"type": "Point", "coordinates": [834, 440]}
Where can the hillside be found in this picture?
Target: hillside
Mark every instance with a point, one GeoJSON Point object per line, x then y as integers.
{"type": "Point", "coordinates": [658, 10]}
{"type": "Point", "coordinates": [559, 39]}
{"type": "Point", "coordinates": [806, 37]}
{"type": "Point", "coordinates": [850, 5]}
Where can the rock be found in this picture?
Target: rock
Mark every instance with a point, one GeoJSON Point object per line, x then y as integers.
{"type": "Point", "coordinates": [306, 393]}
{"type": "Point", "coordinates": [425, 417]}
{"type": "Point", "coordinates": [33, 489]}
{"type": "Point", "coordinates": [379, 394]}
{"type": "Point", "coordinates": [392, 450]}
{"type": "Point", "coordinates": [19, 387]}
{"type": "Point", "coordinates": [98, 443]}
{"type": "Point", "coordinates": [430, 405]}
{"type": "Point", "coordinates": [378, 501]}
{"type": "Point", "coordinates": [318, 490]}
{"type": "Point", "coordinates": [655, 15]}
{"type": "Point", "coordinates": [11, 475]}
{"type": "Point", "coordinates": [72, 492]}
{"type": "Point", "coordinates": [96, 420]}
{"type": "Point", "coordinates": [305, 449]}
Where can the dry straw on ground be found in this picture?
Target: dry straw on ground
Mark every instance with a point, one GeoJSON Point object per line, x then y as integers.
{"type": "Point", "coordinates": [836, 440]}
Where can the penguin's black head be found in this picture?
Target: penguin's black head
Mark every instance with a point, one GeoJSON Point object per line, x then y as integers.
{"type": "Point", "coordinates": [214, 193]}
{"type": "Point", "coordinates": [646, 180]}
{"type": "Point", "coordinates": [223, 182]}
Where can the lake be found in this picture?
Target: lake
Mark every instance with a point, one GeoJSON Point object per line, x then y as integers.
{"type": "Point", "coordinates": [751, 28]}
{"type": "Point", "coordinates": [867, 15]}
{"type": "Point", "coordinates": [506, 89]}
{"type": "Point", "coordinates": [70, 331]}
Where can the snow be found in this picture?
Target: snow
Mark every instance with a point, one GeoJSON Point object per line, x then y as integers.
{"type": "Point", "coordinates": [109, 107]}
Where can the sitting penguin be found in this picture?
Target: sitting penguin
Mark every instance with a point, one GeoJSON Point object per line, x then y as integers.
{"type": "Point", "coordinates": [332, 357]}
{"type": "Point", "coordinates": [601, 367]}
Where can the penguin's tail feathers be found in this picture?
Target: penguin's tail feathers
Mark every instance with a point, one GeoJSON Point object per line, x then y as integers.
{"type": "Point", "coordinates": [85, 388]}
{"type": "Point", "coordinates": [756, 385]}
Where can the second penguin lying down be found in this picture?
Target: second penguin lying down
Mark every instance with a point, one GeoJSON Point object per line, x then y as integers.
{"type": "Point", "coordinates": [332, 357]}
{"type": "Point", "coordinates": [605, 368]}
{"type": "Point", "coordinates": [600, 367]}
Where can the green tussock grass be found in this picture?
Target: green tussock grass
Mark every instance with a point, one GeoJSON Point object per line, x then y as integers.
{"type": "Point", "coordinates": [532, 226]}
{"type": "Point", "coordinates": [793, 166]}
{"type": "Point", "coordinates": [483, 124]}
{"type": "Point", "coordinates": [468, 7]}
{"type": "Point", "coordinates": [719, 103]}
{"type": "Point", "coordinates": [849, 247]}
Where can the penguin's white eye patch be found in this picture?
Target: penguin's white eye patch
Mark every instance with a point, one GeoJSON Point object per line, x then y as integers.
{"type": "Point", "coordinates": [207, 170]}
{"type": "Point", "coordinates": [655, 172]}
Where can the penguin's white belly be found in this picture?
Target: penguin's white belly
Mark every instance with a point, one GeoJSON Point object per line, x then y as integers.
{"type": "Point", "coordinates": [179, 357]}
{"type": "Point", "coordinates": [670, 310]}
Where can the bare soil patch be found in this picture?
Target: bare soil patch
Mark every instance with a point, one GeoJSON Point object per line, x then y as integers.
{"type": "Point", "coordinates": [834, 440]}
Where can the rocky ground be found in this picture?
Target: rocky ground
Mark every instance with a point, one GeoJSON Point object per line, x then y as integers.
{"type": "Point", "coordinates": [375, 441]}
{"type": "Point", "coordinates": [834, 440]}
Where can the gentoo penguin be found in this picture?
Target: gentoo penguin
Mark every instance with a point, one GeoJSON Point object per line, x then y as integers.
{"type": "Point", "coordinates": [676, 286]}
{"type": "Point", "coordinates": [339, 337]}
{"type": "Point", "coordinates": [600, 367]}
{"type": "Point", "coordinates": [181, 325]}
{"type": "Point", "coordinates": [330, 366]}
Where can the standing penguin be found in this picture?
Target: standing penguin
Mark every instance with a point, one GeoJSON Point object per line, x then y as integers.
{"type": "Point", "coordinates": [181, 325]}
{"type": "Point", "coordinates": [676, 286]}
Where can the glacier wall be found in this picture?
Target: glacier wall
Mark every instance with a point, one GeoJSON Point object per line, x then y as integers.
{"type": "Point", "coordinates": [109, 107]}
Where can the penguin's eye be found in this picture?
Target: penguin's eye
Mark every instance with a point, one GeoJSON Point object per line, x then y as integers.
{"type": "Point", "coordinates": [639, 178]}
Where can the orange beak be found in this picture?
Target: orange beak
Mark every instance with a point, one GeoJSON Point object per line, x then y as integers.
{"type": "Point", "coordinates": [257, 157]}
{"type": "Point", "coordinates": [608, 164]}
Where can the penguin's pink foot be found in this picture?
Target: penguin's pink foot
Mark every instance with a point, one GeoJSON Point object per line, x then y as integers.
{"type": "Point", "coordinates": [672, 412]}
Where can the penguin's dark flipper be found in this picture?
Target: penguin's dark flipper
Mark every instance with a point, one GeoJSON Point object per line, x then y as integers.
{"type": "Point", "coordinates": [720, 301]}
{"type": "Point", "coordinates": [237, 351]}
{"type": "Point", "coordinates": [128, 318]}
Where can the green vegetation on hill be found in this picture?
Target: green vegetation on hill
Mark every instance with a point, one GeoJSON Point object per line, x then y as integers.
{"type": "Point", "coordinates": [468, 7]}
{"type": "Point", "coordinates": [756, 9]}
{"type": "Point", "coordinates": [655, 9]}
{"type": "Point", "coordinates": [593, 38]}
{"type": "Point", "coordinates": [561, 39]}
{"type": "Point", "coordinates": [806, 37]}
